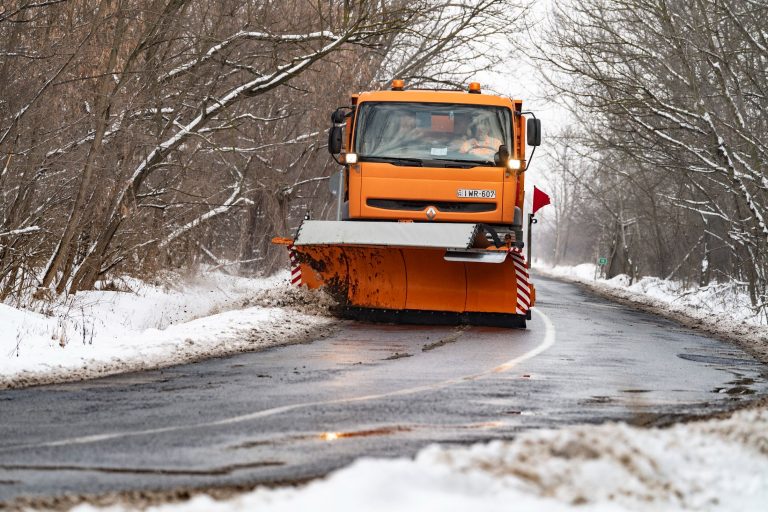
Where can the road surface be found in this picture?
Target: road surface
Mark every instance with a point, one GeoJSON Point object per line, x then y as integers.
{"type": "Point", "coordinates": [297, 412]}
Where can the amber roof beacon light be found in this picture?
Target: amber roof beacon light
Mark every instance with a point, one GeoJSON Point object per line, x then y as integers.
{"type": "Point", "coordinates": [397, 85]}
{"type": "Point", "coordinates": [474, 88]}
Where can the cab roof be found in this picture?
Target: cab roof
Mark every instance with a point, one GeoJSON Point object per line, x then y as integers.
{"type": "Point", "coordinates": [432, 96]}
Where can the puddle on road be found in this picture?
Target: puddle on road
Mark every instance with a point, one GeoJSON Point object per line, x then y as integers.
{"type": "Point", "coordinates": [367, 433]}
{"type": "Point", "coordinates": [217, 471]}
{"type": "Point", "coordinates": [333, 436]}
{"type": "Point", "coordinates": [737, 387]}
{"type": "Point", "coordinates": [741, 385]}
{"type": "Point", "coordinates": [478, 426]}
{"type": "Point", "coordinates": [743, 381]}
{"type": "Point", "coordinates": [398, 355]}
{"type": "Point", "coordinates": [719, 360]}
{"type": "Point", "coordinates": [251, 444]}
{"type": "Point", "coordinates": [597, 400]}
{"type": "Point", "coordinates": [735, 391]}
{"type": "Point", "coordinates": [323, 436]}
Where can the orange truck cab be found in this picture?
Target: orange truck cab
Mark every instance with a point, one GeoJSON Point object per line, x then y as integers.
{"type": "Point", "coordinates": [429, 215]}
{"type": "Point", "coordinates": [434, 156]}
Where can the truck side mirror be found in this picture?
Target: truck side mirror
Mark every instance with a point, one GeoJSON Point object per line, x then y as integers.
{"type": "Point", "coordinates": [533, 131]}
{"type": "Point", "coordinates": [338, 116]}
{"type": "Point", "coordinates": [334, 140]}
{"type": "Point", "coordinates": [335, 133]}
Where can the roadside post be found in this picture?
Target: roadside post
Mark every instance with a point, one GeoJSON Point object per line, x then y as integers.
{"type": "Point", "coordinates": [531, 221]}
{"type": "Point", "coordinates": [539, 199]}
{"type": "Point", "coordinates": [602, 261]}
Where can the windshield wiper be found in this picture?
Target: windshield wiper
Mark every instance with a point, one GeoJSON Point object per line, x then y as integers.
{"type": "Point", "coordinates": [413, 162]}
{"type": "Point", "coordinates": [468, 163]}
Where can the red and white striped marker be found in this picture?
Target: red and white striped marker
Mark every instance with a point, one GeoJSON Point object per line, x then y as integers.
{"type": "Point", "coordinates": [523, 283]}
{"type": "Point", "coordinates": [295, 266]}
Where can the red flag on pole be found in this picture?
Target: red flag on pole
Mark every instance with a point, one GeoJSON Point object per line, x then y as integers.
{"type": "Point", "coordinates": [539, 199]}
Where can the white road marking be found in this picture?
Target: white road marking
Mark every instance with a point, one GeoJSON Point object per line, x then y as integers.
{"type": "Point", "coordinates": [547, 341]}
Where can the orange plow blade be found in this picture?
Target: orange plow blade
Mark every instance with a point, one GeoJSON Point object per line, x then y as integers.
{"type": "Point", "coordinates": [420, 284]}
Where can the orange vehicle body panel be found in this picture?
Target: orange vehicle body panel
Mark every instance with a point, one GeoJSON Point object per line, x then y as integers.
{"type": "Point", "coordinates": [386, 181]}
{"type": "Point", "coordinates": [491, 288]}
{"type": "Point", "coordinates": [373, 180]}
{"type": "Point", "coordinates": [433, 283]}
{"type": "Point", "coordinates": [409, 278]}
{"type": "Point", "coordinates": [423, 96]}
{"type": "Point", "coordinates": [512, 184]}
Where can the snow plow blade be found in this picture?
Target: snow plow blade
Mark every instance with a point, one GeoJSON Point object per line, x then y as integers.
{"type": "Point", "coordinates": [413, 272]}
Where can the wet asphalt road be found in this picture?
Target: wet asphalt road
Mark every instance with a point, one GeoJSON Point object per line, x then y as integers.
{"type": "Point", "coordinates": [297, 412]}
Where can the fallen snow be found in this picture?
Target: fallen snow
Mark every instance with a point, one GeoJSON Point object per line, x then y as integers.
{"type": "Point", "coordinates": [715, 299]}
{"type": "Point", "coordinates": [716, 465]}
{"type": "Point", "coordinates": [149, 326]}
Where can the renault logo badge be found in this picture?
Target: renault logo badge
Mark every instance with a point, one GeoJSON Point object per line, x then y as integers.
{"type": "Point", "coordinates": [431, 213]}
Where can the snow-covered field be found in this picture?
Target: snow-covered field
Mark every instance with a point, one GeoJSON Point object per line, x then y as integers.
{"type": "Point", "coordinates": [149, 326]}
{"type": "Point", "coordinates": [714, 465]}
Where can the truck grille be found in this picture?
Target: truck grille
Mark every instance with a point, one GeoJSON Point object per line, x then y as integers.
{"type": "Point", "coordinates": [443, 206]}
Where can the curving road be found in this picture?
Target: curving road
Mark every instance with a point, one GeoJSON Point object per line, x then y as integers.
{"type": "Point", "coordinates": [297, 412]}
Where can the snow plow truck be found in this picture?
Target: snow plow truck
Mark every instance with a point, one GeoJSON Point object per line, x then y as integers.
{"type": "Point", "coordinates": [429, 210]}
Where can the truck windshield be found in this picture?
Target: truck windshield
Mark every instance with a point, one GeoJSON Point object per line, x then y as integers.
{"type": "Point", "coordinates": [458, 133]}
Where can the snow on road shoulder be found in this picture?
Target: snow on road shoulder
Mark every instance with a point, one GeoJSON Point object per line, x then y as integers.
{"type": "Point", "coordinates": [149, 326]}
{"type": "Point", "coordinates": [715, 465]}
{"type": "Point", "coordinates": [722, 309]}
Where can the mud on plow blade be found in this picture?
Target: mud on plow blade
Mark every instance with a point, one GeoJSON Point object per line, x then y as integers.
{"type": "Point", "coordinates": [408, 272]}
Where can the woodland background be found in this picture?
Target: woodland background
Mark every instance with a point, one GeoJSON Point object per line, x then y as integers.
{"type": "Point", "coordinates": [138, 136]}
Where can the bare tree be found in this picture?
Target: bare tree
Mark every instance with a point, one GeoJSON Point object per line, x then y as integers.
{"type": "Point", "coordinates": [144, 135]}
{"type": "Point", "coordinates": [673, 94]}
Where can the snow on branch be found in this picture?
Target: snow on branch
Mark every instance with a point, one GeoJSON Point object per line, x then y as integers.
{"type": "Point", "coordinates": [295, 140]}
{"type": "Point", "coordinates": [233, 200]}
{"type": "Point", "coordinates": [736, 176]}
{"type": "Point", "coordinates": [288, 190]}
{"type": "Point", "coordinates": [23, 231]}
{"type": "Point", "coordinates": [108, 134]}
{"type": "Point", "coordinates": [17, 117]}
{"type": "Point", "coordinates": [248, 36]}
{"type": "Point", "coordinates": [202, 218]}
{"type": "Point", "coordinates": [251, 88]}
{"type": "Point", "coordinates": [6, 166]}
{"type": "Point", "coordinates": [8, 13]}
{"type": "Point", "coordinates": [231, 123]}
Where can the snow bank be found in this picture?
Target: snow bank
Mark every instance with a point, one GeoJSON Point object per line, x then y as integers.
{"type": "Point", "coordinates": [148, 326]}
{"type": "Point", "coordinates": [722, 309]}
{"type": "Point", "coordinates": [716, 465]}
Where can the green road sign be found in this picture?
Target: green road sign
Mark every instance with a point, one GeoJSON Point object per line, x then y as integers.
{"type": "Point", "coordinates": [602, 261]}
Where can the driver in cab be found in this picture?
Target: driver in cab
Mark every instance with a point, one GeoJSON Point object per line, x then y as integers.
{"type": "Point", "coordinates": [482, 143]}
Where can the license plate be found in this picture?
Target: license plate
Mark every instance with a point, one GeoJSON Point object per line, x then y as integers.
{"type": "Point", "coordinates": [481, 194]}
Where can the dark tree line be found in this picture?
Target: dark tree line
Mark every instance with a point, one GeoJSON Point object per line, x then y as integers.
{"type": "Point", "coordinates": [141, 135]}
{"type": "Point", "coordinates": [667, 168]}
